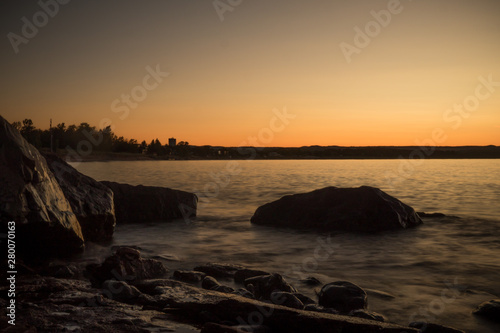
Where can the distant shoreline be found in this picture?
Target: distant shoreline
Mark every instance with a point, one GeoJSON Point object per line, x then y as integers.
{"type": "Point", "coordinates": [210, 153]}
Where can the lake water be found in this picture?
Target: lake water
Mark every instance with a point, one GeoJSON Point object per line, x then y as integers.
{"type": "Point", "coordinates": [438, 272]}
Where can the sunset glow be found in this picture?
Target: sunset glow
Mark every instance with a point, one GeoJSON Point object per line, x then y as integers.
{"type": "Point", "coordinates": [229, 69]}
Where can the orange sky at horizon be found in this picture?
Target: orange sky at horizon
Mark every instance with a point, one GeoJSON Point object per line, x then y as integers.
{"type": "Point", "coordinates": [434, 65]}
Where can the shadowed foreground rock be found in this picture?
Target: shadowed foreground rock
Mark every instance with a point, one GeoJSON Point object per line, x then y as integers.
{"type": "Point", "coordinates": [362, 209]}
{"type": "Point", "coordinates": [135, 204]}
{"type": "Point", "coordinates": [196, 303]}
{"type": "Point", "coordinates": [31, 196]}
{"type": "Point", "coordinates": [125, 265]}
{"type": "Point", "coordinates": [342, 296]}
{"type": "Point", "coordinates": [48, 304]}
{"type": "Point", "coordinates": [490, 310]}
{"type": "Point", "coordinates": [91, 201]}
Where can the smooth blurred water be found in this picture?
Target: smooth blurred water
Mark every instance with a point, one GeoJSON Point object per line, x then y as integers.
{"type": "Point", "coordinates": [438, 272]}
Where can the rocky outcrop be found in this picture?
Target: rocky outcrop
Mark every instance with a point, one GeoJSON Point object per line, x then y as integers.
{"type": "Point", "coordinates": [362, 209]}
{"type": "Point", "coordinates": [490, 310]}
{"type": "Point", "coordinates": [125, 265]}
{"type": "Point", "coordinates": [342, 296]}
{"type": "Point", "coordinates": [264, 285]}
{"type": "Point", "coordinates": [91, 201]}
{"type": "Point", "coordinates": [218, 270]}
{"type": "Point", "coordinates": [31, 197]}
{"type": "Point", "coordinates": [135, 204]}
{"type": "Point", "coordinates": [199, 304]}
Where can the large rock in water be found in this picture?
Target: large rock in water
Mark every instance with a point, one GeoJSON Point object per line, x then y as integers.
{"type": "Point", "coordinates": [362, 209]}
{"type": "Point", "coordinates": [150, 203]}
{"type": "Point", "coordinates": [31, 197]}
{"type": "Point", "coordinates": [91, 201]}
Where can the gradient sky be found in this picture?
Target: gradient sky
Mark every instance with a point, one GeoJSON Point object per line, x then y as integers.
{"type": "Point", "coordinates": [227, 77]}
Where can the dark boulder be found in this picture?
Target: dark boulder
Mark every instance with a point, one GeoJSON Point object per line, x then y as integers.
{"type": "Point", "coordinates": [91, 201]}
{"type": "Point", "coordinates": [490, 310]}
{"type": "Point", "coordinates": [31, 197]}
{"type": "Point", "coordinates": [219, 270]}
{"type": "Point", "coordinates": [262, 286]}
{"type": "Point", "coordinates": [120, 291]}
{"type": "Point", "coordinates": [198, 304]}
{"type": "Point", "coordinates": [342, 296]}
{"type": "Point", "coordinates": [304, 299]}
{"type": "Point", "coordinates": [286, 299]}
{"type": "Point", "coordinates": [211, 283]}
{"type": "Point", "coordinates": [189, 276]}
{"type": "Point", "coordinates": [362, 209]}
{"type": "Point", "coordinates": [134, 204]}
{"type": "Point", "coordinates": [126, 265]}
{"type": "Point", "coordinates": [242, 274]}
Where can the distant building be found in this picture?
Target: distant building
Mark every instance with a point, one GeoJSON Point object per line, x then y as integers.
{"type": "Point", "coordinates": [172, 142]}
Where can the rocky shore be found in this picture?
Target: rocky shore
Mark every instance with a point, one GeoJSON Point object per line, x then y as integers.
{"type": "Point", "coordinates": [129, 293]}
{"type": "Point", "coordinates": [56, 210]}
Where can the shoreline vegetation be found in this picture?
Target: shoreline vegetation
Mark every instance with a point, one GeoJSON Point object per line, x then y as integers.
{"type": "Point", "coordinates": [81, 143]}
{"type": "Point", "coordinates": [206, 153]}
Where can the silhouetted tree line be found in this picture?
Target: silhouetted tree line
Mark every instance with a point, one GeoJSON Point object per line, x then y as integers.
{"type": "Point", "coordinates": [104, 140]}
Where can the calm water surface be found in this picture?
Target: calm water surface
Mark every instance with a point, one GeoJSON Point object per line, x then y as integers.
{"type": "Point", "coordinates": [438, 272]}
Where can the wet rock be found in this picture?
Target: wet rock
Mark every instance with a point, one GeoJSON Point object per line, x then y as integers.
{"type": "Point", "coordinates": [91, 201]}
{"type": "Point", "coordinates": [219, 270]}
{"type": "Point", "coordinates": [319, 308]}
{"type": "Point", "coordinates": [311, 281]}
{"type": "Point", "coordinates": [59, 305]}
{"type": "Point", "coordinates": [211, 283]}
{"type": "Point", "coordinates": [434, 328]}
{"type": "Point", "coordinates": [362, 209]}
{"type": "Point", "coordinates": [490, 310]}
{"type": "Point", "coordinates": [367, 315]}
{"type": "Point", "coordinates": [286, 299]}
{"type": "Point", "coordinates": [31, 196]}
{"type": "Point", "coordinates": [192, 301]}
{"type": "Point", "coordinates": [189, 276]}
{"type": "Point", "coordinates": [342, 296]}
{"type": "Point", "coordinates": [242, 274]}
{"type": "Point", "coordinates": [120, 291]}
{"type": "Point", "coordinates": [135, 204]}
{"type": "Point", "coordinates": [304, 299]}
{"type": "Point", "coordinates": [262, 286]}
{"type": "Point", "coordinates": [126, 265]}
{"type": "Point", "coordinates": [245, 293]}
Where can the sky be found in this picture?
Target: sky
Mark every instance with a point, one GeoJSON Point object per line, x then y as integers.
{"type": "Point", "coordinates": [272, 73]}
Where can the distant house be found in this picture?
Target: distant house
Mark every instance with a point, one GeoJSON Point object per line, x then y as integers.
{"type": "Point", "coordinates": [172, 142]}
